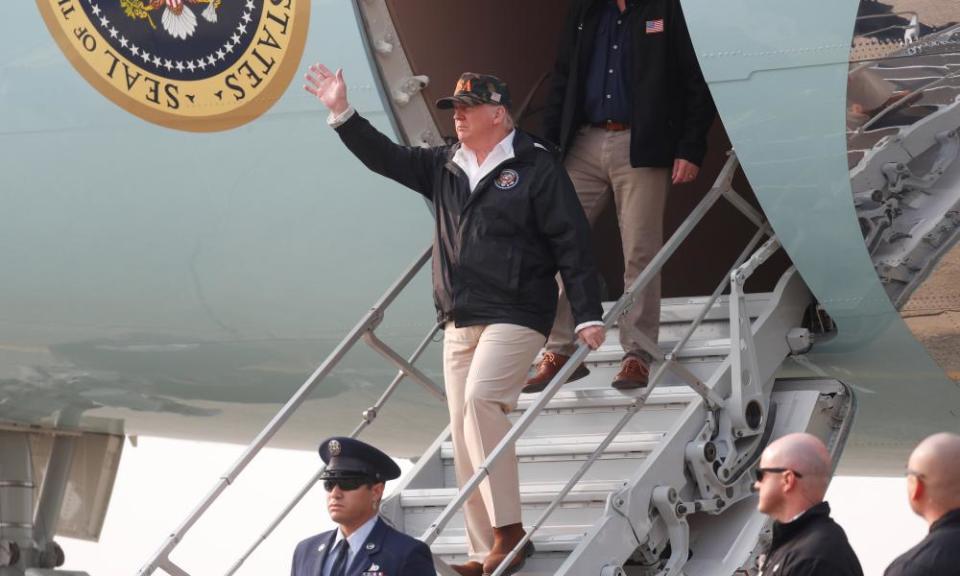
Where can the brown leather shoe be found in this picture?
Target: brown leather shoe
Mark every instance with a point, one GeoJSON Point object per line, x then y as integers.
{"type": "Point", "coordinates": [471, 568]}
{"type": "Point", "coordinates": [634, 373]}
{"type": "Point", "coordinates": [504, 540]}
{"type": "Point", "coordinates": [548, 367]}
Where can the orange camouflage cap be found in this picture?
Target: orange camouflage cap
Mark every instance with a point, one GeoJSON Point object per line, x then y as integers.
{"type": "Point", "coordinates": [473, 89]}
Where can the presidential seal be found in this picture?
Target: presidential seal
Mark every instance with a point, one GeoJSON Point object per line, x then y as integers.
{"type": "Point", "coordinates": [198, 65]}
{"type": "Point", "coordinates": [507, 179]}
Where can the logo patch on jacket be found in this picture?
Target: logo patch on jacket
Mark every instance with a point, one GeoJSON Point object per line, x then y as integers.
{"type": "Point", "coordinates": [507, 179]}
{"type": "Point", "coordinates": [373, 570]}
{"type": "Point", "coordinates": [654, 26]}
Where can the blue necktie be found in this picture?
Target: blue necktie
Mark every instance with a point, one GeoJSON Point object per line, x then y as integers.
{"type": "Point", "coordinates": [340, 563]}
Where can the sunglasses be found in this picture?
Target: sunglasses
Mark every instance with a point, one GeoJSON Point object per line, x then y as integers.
{"type": "Point", "coordinates": [759, 472]}
{"type": "Point", "coordinates": [345, 484]}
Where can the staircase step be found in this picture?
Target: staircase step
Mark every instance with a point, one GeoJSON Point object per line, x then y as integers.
{"type": "Point", "coordinates": [611, 351]}
{"type": "Point", "coordinates": [537, 493]}
{"type": "Point", "coordinates": [602, 373]}
{"type": "Point", "coordinates": [685, 309]}
{"type": "Point", "coordinates": [547, 539]}
{"type": "Point", "coordinates": [711, 338]}
{"type": "Point", "coordinates": [586, 398]}
{"type": "Point", "coordinates": [575, 445]}
{"type": "Point", "coordinates": [596, 411]}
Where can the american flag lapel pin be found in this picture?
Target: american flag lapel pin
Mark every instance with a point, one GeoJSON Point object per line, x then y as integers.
{"type": "Point", "coordinates": [654, 26]}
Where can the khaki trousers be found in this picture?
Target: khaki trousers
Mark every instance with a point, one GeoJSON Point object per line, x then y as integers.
{"type": "Point", "coordinates": [599, 166]}
{"type": "Point", "coordinates": [484, 368]}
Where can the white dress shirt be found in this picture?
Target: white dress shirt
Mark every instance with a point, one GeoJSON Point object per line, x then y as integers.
{"type": "Point", "coordinates": [336, 120]}
{"type": "Point", "coordinates": [466, 159]}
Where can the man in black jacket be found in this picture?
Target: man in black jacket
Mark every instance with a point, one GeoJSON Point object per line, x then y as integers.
{"type": "Point", "coordinates": [507, 220]}
{"type": "Point", "coordinates": [933, 488]}
{"type": "Point", "coordinates": [792, 479]}
{"type": "Point", "coordinates": [630, 112]}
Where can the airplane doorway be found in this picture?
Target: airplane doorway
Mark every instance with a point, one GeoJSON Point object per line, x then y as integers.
{"type": "Point", "coordinates": [518, 42]}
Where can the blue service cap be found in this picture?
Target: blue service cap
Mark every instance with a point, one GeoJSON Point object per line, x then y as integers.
{"type": "Point", "coordinates": [349, 458]}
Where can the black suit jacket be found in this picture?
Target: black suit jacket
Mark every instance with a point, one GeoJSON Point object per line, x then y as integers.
{"type": "Point", "coordinates": [671, 108]}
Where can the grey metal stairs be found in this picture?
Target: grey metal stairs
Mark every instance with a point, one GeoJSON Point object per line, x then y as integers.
{"type": "Point", "coordinates": [576, 421]}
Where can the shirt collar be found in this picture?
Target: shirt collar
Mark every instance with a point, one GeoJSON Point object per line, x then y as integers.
{"type": "Point", "coordinates": [504, 147]}
{"type": "Point", "coordinates": [359, 536]}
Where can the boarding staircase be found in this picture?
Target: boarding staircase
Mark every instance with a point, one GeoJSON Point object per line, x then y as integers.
{"type": "Point", "coordinates": [607, 514]}
{"type": "Point", "coordinates": [654, 481]}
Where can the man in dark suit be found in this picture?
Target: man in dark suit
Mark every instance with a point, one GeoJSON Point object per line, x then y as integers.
{"type": "Point", "coordinates": [363, 545]}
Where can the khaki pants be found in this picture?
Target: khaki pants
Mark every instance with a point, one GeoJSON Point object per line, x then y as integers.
{"type": "Point", "coordinates": [484, 368]}
{"type": "Point", "coordinates": [599, 166]}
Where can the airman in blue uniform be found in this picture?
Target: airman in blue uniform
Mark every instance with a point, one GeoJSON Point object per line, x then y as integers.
{"type": "Point", "coordinates": [363, 545]}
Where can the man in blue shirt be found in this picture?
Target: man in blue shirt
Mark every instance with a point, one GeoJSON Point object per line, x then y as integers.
{"type": "Point", "coordinates": [363, 545]}
{"type": "Point", "coordinates": [629, 111]}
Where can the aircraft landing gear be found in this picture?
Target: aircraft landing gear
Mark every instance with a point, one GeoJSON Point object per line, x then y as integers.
{"type": "Point", "coordinates": [27, 547]}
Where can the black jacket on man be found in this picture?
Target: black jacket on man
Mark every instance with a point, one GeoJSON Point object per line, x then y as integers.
{"type": "Point", "coordinates": [936, 555]}
{"type": "Point", "coordinates": [811, 545]}
{"type": "Point", "coordinates": [671, 111]}
{"type": "Point", "coordinates": [497, 250]}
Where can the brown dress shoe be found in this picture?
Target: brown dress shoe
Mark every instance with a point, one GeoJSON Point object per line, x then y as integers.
{"type": "Point", "coordinates": [547, 369]}
{"type": "Point", "coordinates": [634, 373]}
{"type": "Point", "coordinates": [504, 540]}
{"type": "Point", "coordinates": [471, 568]}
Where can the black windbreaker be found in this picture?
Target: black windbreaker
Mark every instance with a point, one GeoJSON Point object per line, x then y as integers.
{"type": "Point", "coordinates": [936, 555]}
{"type": "Point", "coordinates": [497, 250]}
{"type": "Point", "coordinates": [671, 108]}
{"type": "Point", "coordinates": [811, 545]}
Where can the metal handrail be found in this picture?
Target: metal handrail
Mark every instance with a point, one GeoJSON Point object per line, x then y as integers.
{"type": "Point", "coordinates": [365, 327]}
{"type": "Point", "coordinates": [722, 187]}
